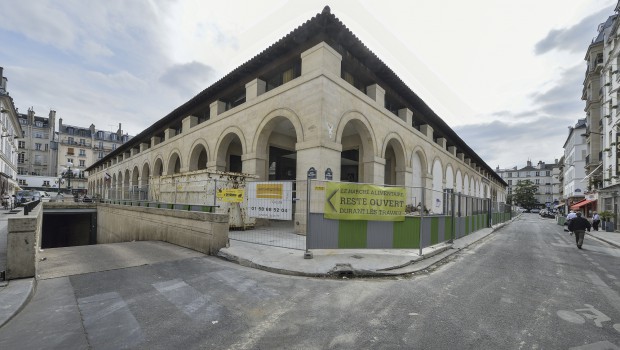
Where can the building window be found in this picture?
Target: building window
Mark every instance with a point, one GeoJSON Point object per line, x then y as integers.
{"type": "Point", "coordinates": [38, 135]}
{"type": "Point", "coordinates": [21, 144]}
{"type": "Point", "coordinates": [38, 123]}
{"type": "Point", "coordinates": [70, 160]}
{"type": "Point", "coordinates": [113, 146]}
{"type": "Point", "coordinates": [82, 142]}
{"type": "Point", "coordinates": [82, 162]}
{"type": "Point", "coordinates": [46, 183]}
{"type": "Point", "coordinates": [70, 140]}
{"type": "Point", "coordinates": [37, 146]}
{"type": "Point", "coordinates": [21, 157]}
{"type": "Point", "coordinates": [23, 121]}
{"type": "Point", "coordinates": [82, 153]}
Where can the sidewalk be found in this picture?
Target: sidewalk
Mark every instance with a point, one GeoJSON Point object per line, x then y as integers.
{"type": "Point", "coordinates": [612, 238]}
{"type": "Point", "coordinates": [345, 262]}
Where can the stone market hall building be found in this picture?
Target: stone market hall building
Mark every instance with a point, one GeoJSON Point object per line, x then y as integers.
{"type": "Point", "coordinates": [316, 98]}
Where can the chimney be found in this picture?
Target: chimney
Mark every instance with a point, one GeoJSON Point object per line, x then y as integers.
{"type": "Point", "coordinates": [529, 163]}
{"type": "Point", "coordinates": [52, 123]}
{"type": "Point", "coordinates": [119, 132]}
{"type": "Point", "coordinates": [31, 116]}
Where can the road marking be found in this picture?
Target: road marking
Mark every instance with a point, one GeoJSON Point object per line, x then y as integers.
{"type": "Point", "coordinates": [189, 300]}
{"type": "Point", "coordinates": [601, 345]}
{"type": "Point", "coordinates": [106, 314]}
{"type": "Point", "coordinates": [611, 295]}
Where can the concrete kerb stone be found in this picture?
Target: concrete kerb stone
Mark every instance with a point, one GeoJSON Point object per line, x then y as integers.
{"type": "Point", "coordinates": [604, 240]}
{"type": "Point", "coordinates": [14, 296]}
{"type": "Point", "coordinates": [433, 256]}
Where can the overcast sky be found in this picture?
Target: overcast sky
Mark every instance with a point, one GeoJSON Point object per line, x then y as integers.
{"type": "Point", "coordinates": [505, 75]}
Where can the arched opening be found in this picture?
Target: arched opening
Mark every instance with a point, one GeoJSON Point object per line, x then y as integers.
{"type": "Point", "coordinates": [276, 143]}
{"type": "Point", "coordinates": [459, 182]}
{"type": "Point", "coordinates": [198, 158]}
{"type": "Point", "coordinates": [394, 163]}
{"type": "Point", "coordinates": [229, 154]}
{"type": "Point", "coordinates": [135, 178]}
{"type": "Point", "coordinates": [145, 180]}
{"type": "Point", "coordinates": [449, 177]}
{"type": "Point", "coordinates": [126, 184]}
{"type": "Point", "coordinates": [357, 156]}
{"type": "Point", "coordinates": [437, 193]}
{"type": "Point", "coordinates": [158, 169]}
{"type": "Point", "coordinates": [174, 164]}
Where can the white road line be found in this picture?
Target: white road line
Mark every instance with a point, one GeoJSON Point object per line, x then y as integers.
{"type": "Point", "coordinates": [611, 295]}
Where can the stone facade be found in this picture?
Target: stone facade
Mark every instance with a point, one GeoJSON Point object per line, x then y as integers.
{"type": "Point", "coordinates": [320, 107]}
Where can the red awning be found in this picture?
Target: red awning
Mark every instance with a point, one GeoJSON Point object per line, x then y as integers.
{"type": "Point", "coordinates": [582, 203]}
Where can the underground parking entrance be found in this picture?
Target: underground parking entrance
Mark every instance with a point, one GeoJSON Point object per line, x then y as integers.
{"type": "Point", "coordinates": [68, 227]}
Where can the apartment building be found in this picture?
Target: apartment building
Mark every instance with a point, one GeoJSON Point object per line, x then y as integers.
{"type": "Point", "coordinates": [543, 175]}
{"type": "Point", "coordinates": [11, 131]}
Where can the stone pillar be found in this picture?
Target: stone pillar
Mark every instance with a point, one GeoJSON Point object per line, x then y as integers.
{"type": "Point", "coordinates": [134, 151]}
{"type": "Point", "coordinates": [320, 158]}
{"type": "Point", "coordinates": [407, 115]}
{"type": "Point", "coordinates": [169, 133]}
{"type": "Point", "coordinates": [254, 89]}
{"type": "Point", "coordinates": [144, 146]}
{"type": "Point", "coordinates": [189, 122]}
{"type": "Point", "coordinates": [461, 156]}
{"type": "Point", "coordinates": [442, 142]}
{"type": "Point", "coordinates": [452, 150]}
{"type": "Point", "coordinates": [374, 171]}
{"type": "Point", "coordinates": [427, 130]}
{"type": "Point", "coordinates": [321, 57]}
{"type": "Point", "coordinates": [377, 93]}
{"type": "Point", "coordinates": [155, 141]}
{"type": "Point", "coordinates": [253, 164]}
{"type": "Point", "coordinates": [218, 107]}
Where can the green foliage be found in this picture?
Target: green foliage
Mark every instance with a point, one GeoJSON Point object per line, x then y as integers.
{"type": "Point", "coordinates": [524, 194]}
{"type": "Point", "coordinates": [606, 215]}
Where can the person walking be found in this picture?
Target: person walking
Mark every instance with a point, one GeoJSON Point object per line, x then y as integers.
{"type": "Point", "coordinates": [578, 226]}
{"type": "Point", "coordinates": [596, 220]}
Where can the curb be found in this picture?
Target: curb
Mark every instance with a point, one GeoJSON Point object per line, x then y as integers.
{"type": "Point", "coordinates": [604, 240]}
{"type": "Point", "coordinates": [20, 300]}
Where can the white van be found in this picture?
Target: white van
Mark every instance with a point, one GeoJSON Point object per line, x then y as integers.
{"type": "Point", "coordinates": [45, 197]}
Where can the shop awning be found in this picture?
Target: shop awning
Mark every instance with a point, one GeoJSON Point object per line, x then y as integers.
{"type": "Point", "coordinates": [582, 203]}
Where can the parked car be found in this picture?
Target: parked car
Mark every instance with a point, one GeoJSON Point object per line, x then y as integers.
{"type": "Point", "coordinates": [25, 196]}
{"type": "Point", "coordinates": [45, 197]}
{"type": "Point", "coordinates": [535, 210]}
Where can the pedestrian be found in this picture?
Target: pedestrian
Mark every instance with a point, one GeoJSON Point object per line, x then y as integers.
{"type": "Point", "coordinates": [596, 220]}
{"type": "Point", "coordinates": [570, 216]}
{"type": "Point", "coordinates": [578, 226]}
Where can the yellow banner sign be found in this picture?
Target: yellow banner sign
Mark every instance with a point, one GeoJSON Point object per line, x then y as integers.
{"type": "Point", "coordinates": [269, 190]}
{"type": "Point", "coordinates": [348, 201]}
{"type": "Point", "coordinates": [230, 195]}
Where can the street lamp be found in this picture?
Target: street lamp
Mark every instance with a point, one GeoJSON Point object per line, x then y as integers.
{"type": "Point", "coordinates": [69, 173]}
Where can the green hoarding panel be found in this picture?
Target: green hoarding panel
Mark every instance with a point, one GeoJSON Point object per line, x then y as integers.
{"type": "Point", "coordinates": [448, 229]}
{"type": "Point", "coordinates": [351, 234]}
{"type": "Point", "coordinates": [407, 233]}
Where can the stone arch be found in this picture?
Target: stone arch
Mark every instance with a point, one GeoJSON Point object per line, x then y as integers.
{"type": "Point", "coordinates": [135, 176]}
{"type": "Point", "coordinates": [357, 161]}
{"type": "Point", "coordinates": [436, 203]}
{"type": "Point", "coordinates": [472, 186]}
{"type": "Point", "coordinates": [174, 163]}
{"type": "Point", "coordinates": [459, 181]}
{"type": "Point", "coordinates": [393, 151]}
{"type": "Point", "coordinates": [275, 145]}
{"type": "Point", "coordinates": [199, 155]}
{"type": "Point", "coordinates": [466, 184]}
{"type": "Point", "coordinates": [230, 147]}
{"type": "Point", "coordinates": [449, 176]}
{"type": "Point", "coordinates": [158, 167]}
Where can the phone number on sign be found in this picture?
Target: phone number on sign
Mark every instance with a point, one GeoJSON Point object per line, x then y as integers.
{"type": "Point", "coordinates": [274, 210]}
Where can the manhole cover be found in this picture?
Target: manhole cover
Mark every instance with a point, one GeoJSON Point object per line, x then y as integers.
{"type": "Point", "coordinates": [357, 256]}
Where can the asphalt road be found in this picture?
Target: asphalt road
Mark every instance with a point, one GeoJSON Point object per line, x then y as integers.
{"type": "Point", "coordinates": [526, 286]}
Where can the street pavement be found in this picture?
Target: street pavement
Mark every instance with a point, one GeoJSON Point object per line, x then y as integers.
{"type": "Point", "coordinates": [71, 261]}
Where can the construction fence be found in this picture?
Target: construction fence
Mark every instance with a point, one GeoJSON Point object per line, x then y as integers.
{"type": "Point", "coordinates": [315, 214]}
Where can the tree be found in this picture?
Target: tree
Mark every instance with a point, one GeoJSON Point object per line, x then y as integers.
{"type": "Point", "coordinates": [524, 194]}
